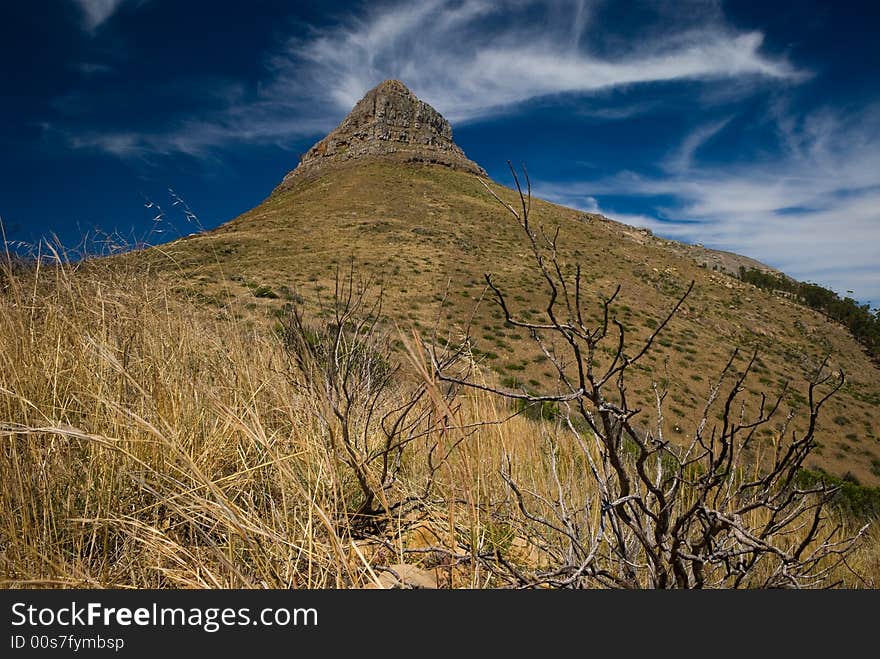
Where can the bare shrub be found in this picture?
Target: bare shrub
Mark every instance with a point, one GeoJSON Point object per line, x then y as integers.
{"type": "Point", "coordinates": [342, 358]}
{"type": "Point", "coordinates": [657, 514]}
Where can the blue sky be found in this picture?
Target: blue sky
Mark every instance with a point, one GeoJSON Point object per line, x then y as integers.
{"type": "Point", "coordinates": [747, 126]}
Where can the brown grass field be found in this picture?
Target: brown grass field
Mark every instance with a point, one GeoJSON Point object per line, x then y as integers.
{"type": "Point", "coordinates": [153, 435]}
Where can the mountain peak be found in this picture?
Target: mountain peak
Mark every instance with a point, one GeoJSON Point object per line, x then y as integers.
{"type": "Point", "coordinates": [392, 122]}
{"type": "Point", "coordinates": [392, 86]}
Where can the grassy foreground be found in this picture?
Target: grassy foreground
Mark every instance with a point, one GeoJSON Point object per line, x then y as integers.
{"type": "Point", "coordinates": [148, 445]}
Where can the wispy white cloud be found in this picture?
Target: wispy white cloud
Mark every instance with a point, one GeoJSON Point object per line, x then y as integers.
{"type": "Point", "coordinates": [471, 59]}
{"type": "Point", "coordinates": [95, 12]}
{"type": "Point", "coordinates": [813, 210]}
{"type": "Point", "coordinates": [191, 137]}
{"type": "Point", "coordinates": [682, 159]}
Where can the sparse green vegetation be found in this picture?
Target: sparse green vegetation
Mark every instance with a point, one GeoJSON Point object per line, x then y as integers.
{"type": "Point", "coordinates": [851, 498]}
{"type": "Point", "coordinates": [265, 292]}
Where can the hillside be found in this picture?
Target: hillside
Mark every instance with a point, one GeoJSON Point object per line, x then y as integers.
{"type": "Point", "coordinates": [194, 415]}
{"type": "Point", "coordinates": [407, 207]}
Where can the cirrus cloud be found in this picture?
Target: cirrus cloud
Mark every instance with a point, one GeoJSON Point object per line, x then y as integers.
{"type": "Point", "coordinates": [472, 60]}
{"type": "Point", "coordinates": [96, 12]}
{"type": "Point", "coordinates": [812, 209]}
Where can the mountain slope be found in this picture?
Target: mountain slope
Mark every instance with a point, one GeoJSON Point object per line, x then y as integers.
{"type": "Point", "coordinates": [400, 201]}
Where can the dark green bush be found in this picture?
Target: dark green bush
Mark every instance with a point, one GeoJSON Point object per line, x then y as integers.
{"type": "Point", "coordinates": [852, 499]}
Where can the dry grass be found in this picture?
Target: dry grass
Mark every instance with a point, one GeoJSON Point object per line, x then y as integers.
{"type": "Point", "coordinates": [431, 232]}
{"type": "Point", "coordinates": [146, 444]}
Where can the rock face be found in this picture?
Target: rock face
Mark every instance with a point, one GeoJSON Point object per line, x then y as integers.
{"type": "Point", "coordinates": [389, 121]}
{"type": "Point", "coordinates": [407, 576]}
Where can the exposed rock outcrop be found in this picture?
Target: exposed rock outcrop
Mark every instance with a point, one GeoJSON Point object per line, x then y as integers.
{"type": "Point", "coordinates": [389, 121]}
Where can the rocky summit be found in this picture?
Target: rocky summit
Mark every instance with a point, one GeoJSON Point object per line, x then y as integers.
{"type": "Point", "coordinates": [389, 121]}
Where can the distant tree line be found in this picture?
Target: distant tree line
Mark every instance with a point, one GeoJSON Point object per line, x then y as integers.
{"type": "Point", "coordinates": [859, 319]}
